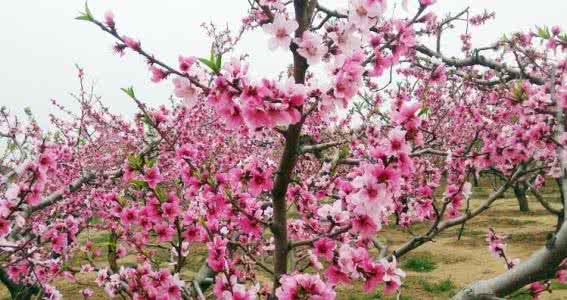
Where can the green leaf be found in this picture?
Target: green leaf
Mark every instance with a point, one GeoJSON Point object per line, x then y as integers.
{"type": "Point", "coordinates": [519, 94]}
{"type": "Point", "coordinates": [138, 184]}
{"type": "Point", "coordinates": [543, 32]}
{"type": "Point", "coordinates": [423, 111]}
{"type": "Point", "coordinates": [210, 63]}
{"type": "Point", "coordinates": [135, 161]}
{"type": "Point", "coordinates": [150, 163]}
{"type": "Point", "coordinates": [161, 194]}
{"type": "Point", "coordinates": [344, 151]}
{"type": "Point", "coordinates": [219, 62]}
{"type": "Point", "coordinates": [123, 201]}
{"type": "Point", "coordinates": [87, 10]}
{"type": "Point", "coordinates": [86, 15]}
{"type": "Point", "coordinates": [129, 91]}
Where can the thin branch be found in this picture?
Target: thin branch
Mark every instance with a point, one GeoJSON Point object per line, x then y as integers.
{"type": "Point", "coordinates": [313, 240]}
{"type": "Point", "coordinates": [320, 147]}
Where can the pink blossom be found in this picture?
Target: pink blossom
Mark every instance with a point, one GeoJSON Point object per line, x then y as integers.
{"type": "Point", "coordinates": [256, 117]}
{"type": "Point", "coordinates": [131, 43]}
{"type": "Point", "coordinates": [562, 276]}
{"type": "Point", "coordinates": [164, 232]}
{"type": "Point", "coordinates": [281, 30]}
{"type": "Point", "coordinates": [364, 225]}
{"type": "Point", "coordinates": [59, 243]}
{"type": "Point", "coordinates": [101, 277]}
{"type": "Point", "coordinates": [186, 90]}
{"type": "Point", "coordinates": [87, 293]}
{"type": "Point", "coordinates": [158, 74]}
{"type": "Point", "coordinates": [194, 234]}
{"type": "Point", "coordinates": [250, 226]}
{"type": "Point", "coordinates": [398, 143]}
{"type": "Point", "coordinates": [153, 177]}
{"type": "Point", "coordinates": [4, 227]}
{"type": "Point", "coordinates": [496, 243]}
{"type": "Point", "coordinates": [334, 275]}
{"type": "Point", "coordinates": [324, 248]}
{"type": "Point", "coordinates": [345, 38]}
{"type": "Point", "coordinates": [46, 160]}
{"type": "Point", "coordinates": [261, 181]}
{"type": "Point", "coordinates": [536, 289]}
{"type": "Point", "coordinates": [333, 212]}
{"type": "Point", "coordinates": [185, 63]}
{"type": "Point", "coordinates": [374, 275]}
{"type": "Point", "coordinates": [423, 209]}
{"type": "Point", "coordinates": [439, 74]}
{"type": "Point", "coordinates": [217, 254]}
{"type": "Point", "coordinates": [171, 210]}
{"type": "Point", "coordinates": [426, 2]}
{"type": "Point", "coordinates": [369, 189]}
{"type": "Point", "coordinates": [311, 47]}
{"type": "Point", "coordinates": [361, 12]}
{"type": "Point", "coordinates": [12, 192]}
{"type": "Point", "coordinates": [311, 286]}
{"type": "Point", "coordinates": [121, 251]}
{"type": "Point", "coordinates": [51, 293]}
{"type": "Point", "coordinates": [392, 276]}
{"type": "Point", "coordinates": [109, 19]}
{"type": "Point", "coordinates": [129, 216]}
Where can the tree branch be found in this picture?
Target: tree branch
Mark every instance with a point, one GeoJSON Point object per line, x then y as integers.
{"type": "Point", "coordinates": [478, 60]}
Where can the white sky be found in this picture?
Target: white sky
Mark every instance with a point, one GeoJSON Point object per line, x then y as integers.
{"type": "Point", "coordinates": [40, 42]}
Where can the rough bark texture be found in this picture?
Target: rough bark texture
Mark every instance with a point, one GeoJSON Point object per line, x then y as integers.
{"type": "Point", "coordinates": [112, 256]}
{"type": "Point", "coordinates": [520, 190]}
{"type": "Point", "coordinates": [204, 276]}
{"type": "Point", "coordinates": [289, 156]}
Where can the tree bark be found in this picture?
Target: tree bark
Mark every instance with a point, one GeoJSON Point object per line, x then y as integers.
{"type": "Point", "coordinates": [520, 190]}
{"type": "Point", "coordinates": [112, 255]}
{"type": "Point", "coordinates": [541, 265]}
{"type": "Point", "coordinates": [18, 291]}
{"type": "Point", "coordinates": [560, 221]}
{"type": "Point", "coordinates": [289, 156]}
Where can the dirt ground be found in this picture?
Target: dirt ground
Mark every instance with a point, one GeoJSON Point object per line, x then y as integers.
{"type": "Point", "coordinates": [456, 262]}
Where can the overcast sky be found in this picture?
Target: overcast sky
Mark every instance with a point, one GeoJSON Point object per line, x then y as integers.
{"type": "Point", "coordinates": [41, 42]}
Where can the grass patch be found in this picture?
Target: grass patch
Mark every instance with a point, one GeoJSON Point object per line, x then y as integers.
{"type": "Point", "coordinates": [558, 286]}
{"type": "Point", "coordinates": [521, 296]}
{"type": "Point", "coordinates": [419, 264]}
{"type": "Point", "coordinates": [438, 287]}
{"type": "Point", "coordinates": [375, 296]}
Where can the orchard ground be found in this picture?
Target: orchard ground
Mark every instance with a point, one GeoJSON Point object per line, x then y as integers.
{"type": "Point", "coordinates": [435, 270]}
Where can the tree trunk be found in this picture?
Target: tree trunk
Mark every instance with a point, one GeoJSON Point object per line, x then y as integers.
{"type": "Point", "coordinates": [18, 291]}
{"type": "Point", "coordinates": [303, 13]}
{"type": "Point", "coordinates": [520, 190]}
{"type": "Point", "coordinates": [112, 256]}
